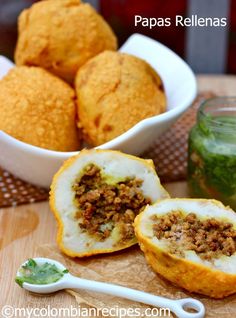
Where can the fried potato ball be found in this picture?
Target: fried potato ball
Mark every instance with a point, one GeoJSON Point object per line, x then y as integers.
{"type": "Point", "coordinates": [114, 92]}
{"type": "Point", "coordinates": [38, 108]}
{"type": "Point", "coordinates": [191, 242]}
{"type": "Point", "coordinates": [95, 197]}
{"type": "Point", "coordinates": [61, 35]}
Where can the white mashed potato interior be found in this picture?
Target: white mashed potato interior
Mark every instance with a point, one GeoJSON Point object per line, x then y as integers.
{"type": "Point", "coordinates": [204, 210]}
{"type": "Point", "coordinates": [110, 163]}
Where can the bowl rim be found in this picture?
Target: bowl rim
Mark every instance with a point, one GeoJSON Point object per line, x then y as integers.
{"type": "Point", "coordinates": [137, 128]}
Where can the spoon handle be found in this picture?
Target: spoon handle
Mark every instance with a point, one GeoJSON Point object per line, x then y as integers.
{"type": "Point", "coordinates": [176, 306]}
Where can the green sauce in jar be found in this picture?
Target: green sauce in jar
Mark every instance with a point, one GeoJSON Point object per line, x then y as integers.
{"type": "Point", "coordinates": [212, 152]}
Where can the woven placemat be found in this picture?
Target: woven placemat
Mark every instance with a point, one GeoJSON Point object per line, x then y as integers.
{"type": "Point", "coordinates": [14, 191]}
{"type": "Point", "coordinates": [169, 154]}
{"type": "Point", "coordinates": [170, 151]}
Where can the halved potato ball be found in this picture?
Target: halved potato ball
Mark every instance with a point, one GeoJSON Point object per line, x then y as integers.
{"type": "Point", "coordinates": [95, 197]}
{"type": "Point", "coordinates": [192, 243]}
{"type": "Point", "coordinates": [114, 92]}
{"type": "Point", "coordinates": [61, 35]}
{"type": "Point", "coordinates": [38, 108]}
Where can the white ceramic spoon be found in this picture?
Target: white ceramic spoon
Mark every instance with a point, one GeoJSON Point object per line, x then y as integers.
{"type": "Point", "coordinates": [69, 281]}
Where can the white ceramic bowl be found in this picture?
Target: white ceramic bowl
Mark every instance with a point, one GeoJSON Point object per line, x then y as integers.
{"type": "Point", "coordinates": [37, 165]}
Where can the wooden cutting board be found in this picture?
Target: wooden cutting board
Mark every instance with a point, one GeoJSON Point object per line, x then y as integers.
{"type": "Point", "coordinates": [24, 228]}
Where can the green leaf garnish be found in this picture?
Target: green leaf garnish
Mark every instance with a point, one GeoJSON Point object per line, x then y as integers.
{"type": "Point", "coordinates": [33, 273]}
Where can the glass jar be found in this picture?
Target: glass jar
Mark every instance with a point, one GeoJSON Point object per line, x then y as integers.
{"type": "Point", "coordinates": [212, 151]}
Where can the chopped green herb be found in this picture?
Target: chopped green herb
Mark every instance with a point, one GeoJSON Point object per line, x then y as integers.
{"type": "Point", "coordinates": [33, 273]}
{"type": "Point", "coordinates": [212, 162]}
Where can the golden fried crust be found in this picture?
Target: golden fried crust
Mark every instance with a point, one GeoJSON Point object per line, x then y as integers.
{"type": "Point", "coordinates": [193, 276]}
{"type": "Point", "coordinates": [61, 35]}
{"type": "Point", "coordinates": [54, 206]}
{"type": "Point", "coordinates": [38, 108]}
{"type": "Point", "coordinates": [115, 91]}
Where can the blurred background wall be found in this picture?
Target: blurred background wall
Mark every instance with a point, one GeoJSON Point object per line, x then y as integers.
{"type": "Point", "coordinates": [206, 49]}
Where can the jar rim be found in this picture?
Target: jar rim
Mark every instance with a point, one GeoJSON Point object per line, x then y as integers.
{"type": "Point", "coordinates": [217, 107]}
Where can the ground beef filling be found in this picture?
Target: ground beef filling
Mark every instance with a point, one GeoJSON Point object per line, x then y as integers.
{"type": "Point", "coordinates": [101, 205]}
{"type": "Point", "coordinates": [208, 238]}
